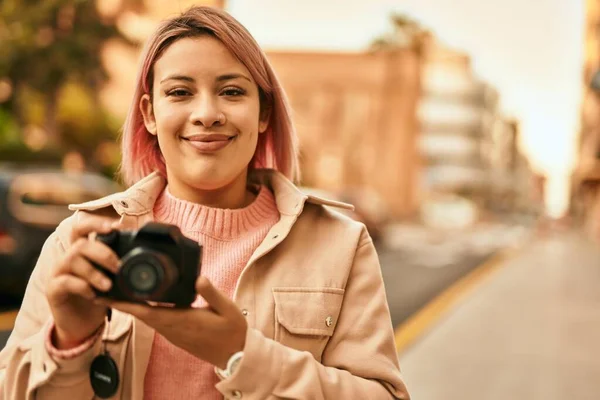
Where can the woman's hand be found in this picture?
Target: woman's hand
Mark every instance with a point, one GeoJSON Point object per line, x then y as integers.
{"type": "Point", "coordinates": [212, 333]}
{"type": "Point", "coordinates": [70, 288]}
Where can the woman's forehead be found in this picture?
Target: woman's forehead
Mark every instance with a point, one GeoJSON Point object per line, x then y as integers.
{"type": "Point", "coordinates": [204, 55]}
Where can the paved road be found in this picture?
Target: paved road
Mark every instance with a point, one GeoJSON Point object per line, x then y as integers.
{"type": "Point", "coordinates": [527, 332]}
{"type": "Point", "coordinates": [418, 263]}
{"type": "Point", "coordinates": [410, 285]}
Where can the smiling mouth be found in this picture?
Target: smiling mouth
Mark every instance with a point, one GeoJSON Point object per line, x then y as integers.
{"type": "Point", "coordinates": [209, 143]}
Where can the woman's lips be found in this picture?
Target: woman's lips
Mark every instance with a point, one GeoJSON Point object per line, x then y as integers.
{"type": "Point", "coordinates": [209, 143]}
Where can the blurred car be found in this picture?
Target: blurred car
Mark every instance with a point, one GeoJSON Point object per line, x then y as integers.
{"type": "Point", "coordinates": [33, 201]}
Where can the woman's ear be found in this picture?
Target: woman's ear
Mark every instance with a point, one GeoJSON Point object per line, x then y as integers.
{"type": "Point", "coordinates": [148, 114]}
{"type": "Point", "coordinates": [263, 123]}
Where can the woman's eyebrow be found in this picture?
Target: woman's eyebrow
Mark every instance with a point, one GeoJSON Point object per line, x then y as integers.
{"type": "Point", "coordinates": [178, 78]}
{"type": "Point", "coordinates": [228, 77]}
{"type": "Point", "coordinates": [220, 78]}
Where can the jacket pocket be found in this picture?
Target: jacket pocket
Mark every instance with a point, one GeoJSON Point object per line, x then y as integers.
{"type": "Point", "coordinates": [306, 317]}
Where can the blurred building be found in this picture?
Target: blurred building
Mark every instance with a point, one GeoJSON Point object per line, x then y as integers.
{"type": "Point", "coordinates": [457, 112]}
{"type": "Point", "coordinates": [586, 193]}
{"type": "Point", "coordinates": [513, 186]}
{"type": "Point", "coordinates": [355, 114]}
{"type": "Point", "coordinates": [470, 150]}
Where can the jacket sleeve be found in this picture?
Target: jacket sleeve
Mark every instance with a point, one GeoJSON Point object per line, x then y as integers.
{"type": "Point", "coordinates": [359, 362]}
{"type": "Point", "coordinates": [27, 370]}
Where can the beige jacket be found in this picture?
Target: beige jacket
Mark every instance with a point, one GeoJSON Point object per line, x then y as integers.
{"type": "Point", "coordinates": [319, 323]}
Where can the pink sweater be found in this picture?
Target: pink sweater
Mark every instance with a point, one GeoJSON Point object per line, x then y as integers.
{"type": "Point", "coordinates": [228, 237]}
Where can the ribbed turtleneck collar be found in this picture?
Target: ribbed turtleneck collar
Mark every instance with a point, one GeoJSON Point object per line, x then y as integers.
{"type": "Point", "coordinates": [224, 224]}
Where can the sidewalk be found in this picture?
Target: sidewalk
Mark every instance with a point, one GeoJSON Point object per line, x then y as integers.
{"type": "Point", "coordinates": [528, 331]}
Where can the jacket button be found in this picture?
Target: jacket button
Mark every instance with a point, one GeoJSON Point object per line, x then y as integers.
{"type": "Point", "coordinates": [245, 312]}
{"type": "Point", "coordinates": [236, 394]}
{"type": "Point", "coordinates": [328, 321]}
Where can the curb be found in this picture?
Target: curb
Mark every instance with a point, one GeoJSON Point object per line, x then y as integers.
{"type": "Point", "coordinates": [416, 326]}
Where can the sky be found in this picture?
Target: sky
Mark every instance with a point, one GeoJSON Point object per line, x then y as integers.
{"type": "Point", "coordinates": [531, 51]}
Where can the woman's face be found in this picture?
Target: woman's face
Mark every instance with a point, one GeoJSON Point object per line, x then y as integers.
{"type": "Point", "coordinates": [205, 111]}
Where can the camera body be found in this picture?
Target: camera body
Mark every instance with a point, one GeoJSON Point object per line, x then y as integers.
{"type": "Point", "coordinates": [158, 264]}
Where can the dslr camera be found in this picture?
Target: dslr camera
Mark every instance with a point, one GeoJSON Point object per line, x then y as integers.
{"type": "Point", "coordinates": [158, 264]}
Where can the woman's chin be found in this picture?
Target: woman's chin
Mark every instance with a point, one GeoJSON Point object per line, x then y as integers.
{"type": "Point", "coordinates": [204, 173]}
{"type": "Point", "coordinates": [209, 178]}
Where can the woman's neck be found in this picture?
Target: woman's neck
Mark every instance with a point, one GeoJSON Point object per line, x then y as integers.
{"type": "Point", "coordinates": [231, 196]}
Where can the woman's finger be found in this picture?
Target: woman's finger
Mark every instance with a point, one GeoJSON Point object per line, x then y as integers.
{"type": "Point", "coordinates": [90, 224]}
{"type": "Point", "coordinates": [83, 269]}
{"type": "Point", "coordinates": [213, 296]}
{"type": "Point", "coordinates": [73, 285]}
{"type": "Point", "coordinates": [101, 254]}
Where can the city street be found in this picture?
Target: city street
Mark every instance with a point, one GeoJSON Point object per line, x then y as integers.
{"type": "Point", "coordinates": [529, 330]}
{"type": "Point", "coordinates": [472, 160]}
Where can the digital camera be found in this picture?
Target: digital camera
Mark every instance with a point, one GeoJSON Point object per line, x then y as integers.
{"type": "Point", "coordinates": [158, 264]}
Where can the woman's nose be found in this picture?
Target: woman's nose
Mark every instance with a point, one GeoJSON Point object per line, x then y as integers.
{"type": "Point", "coordinates": [206, 112]}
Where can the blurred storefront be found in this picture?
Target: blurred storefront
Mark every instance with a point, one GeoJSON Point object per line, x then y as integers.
{"type": "Point", "coordinates": [355, 115]}
{"type": "Point", "coordinates": [586, 182]}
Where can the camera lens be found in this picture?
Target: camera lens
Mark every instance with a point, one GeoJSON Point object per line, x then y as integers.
{"type": "Point", "coordinates": [146, 275]}
{"type": "Point", "coordinates": [143, 277]}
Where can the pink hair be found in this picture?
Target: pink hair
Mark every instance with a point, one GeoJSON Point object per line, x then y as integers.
{"type": "Point", "coordinates": [277, 147]}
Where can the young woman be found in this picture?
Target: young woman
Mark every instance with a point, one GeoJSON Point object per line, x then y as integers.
{"type": "Point", "coordinates": [290, 299]}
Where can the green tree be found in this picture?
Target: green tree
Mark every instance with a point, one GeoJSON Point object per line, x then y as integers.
{"type": "Point", "coordinates": [45, 45]}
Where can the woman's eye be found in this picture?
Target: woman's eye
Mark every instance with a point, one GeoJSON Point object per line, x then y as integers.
{"type": "Point", "coordinates": [233, 92]}
{"type": "Point", "coordinates": [178, 93]}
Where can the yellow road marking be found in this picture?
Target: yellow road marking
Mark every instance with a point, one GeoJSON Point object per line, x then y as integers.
{"type": "Point", "coordinates": [415, 326]}
{"type": "Point", "coordinates": [7, 320]}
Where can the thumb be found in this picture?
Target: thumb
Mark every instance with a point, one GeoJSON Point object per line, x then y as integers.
{"type": "Point", "coordinates": [116, 225]}
{"type": "Point", "coordinates": [213, 296]}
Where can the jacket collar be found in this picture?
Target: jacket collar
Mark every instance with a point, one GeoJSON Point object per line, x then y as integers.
{"type": "Point", "coordinates": [140, 198]}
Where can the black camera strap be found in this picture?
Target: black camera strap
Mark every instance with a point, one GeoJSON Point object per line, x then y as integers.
{"type": "Point", "coordinates": [104, 372]}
